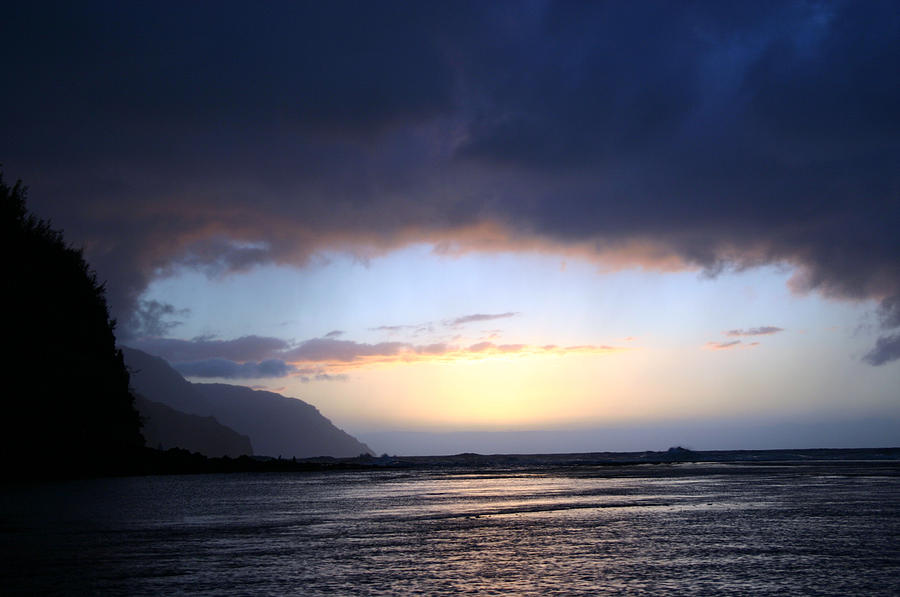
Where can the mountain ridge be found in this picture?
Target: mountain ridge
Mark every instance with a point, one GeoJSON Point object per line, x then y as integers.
{"type": "Point", "coordinates": [276, 425]}
{"type": "Point", "coordinates": [165, 427]}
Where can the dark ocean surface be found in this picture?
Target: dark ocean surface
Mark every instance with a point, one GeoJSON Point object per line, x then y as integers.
{"type": "Point", "coordinates": [787, 528]}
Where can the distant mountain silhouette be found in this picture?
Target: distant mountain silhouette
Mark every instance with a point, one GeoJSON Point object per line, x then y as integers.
{"type": "Point", "coordinates": [66, 406]}
{"type": "Point", "coordinates": [164, 428]}
{"type": "Point", "coordinates": [277, 425]}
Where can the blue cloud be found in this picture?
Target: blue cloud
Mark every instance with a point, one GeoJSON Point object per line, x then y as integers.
{"type": "Point", "coordinates": [223, 368]}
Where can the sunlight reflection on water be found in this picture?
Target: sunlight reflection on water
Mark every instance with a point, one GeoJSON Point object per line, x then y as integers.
{"type": "Point", "coordinates": [685, 529]}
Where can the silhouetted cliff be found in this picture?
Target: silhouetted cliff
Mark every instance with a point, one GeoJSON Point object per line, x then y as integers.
{"type": "Point", "coordinates": [164, 428]}
{"type": "Point", "coordinates": [277, 425]}
{"type": "Point", "coordinates": [66, 400]}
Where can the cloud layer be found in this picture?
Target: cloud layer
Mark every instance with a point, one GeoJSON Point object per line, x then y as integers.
{"type": "Point", "coordinates": [326, 359]}
{"type": "Point", "coordinates": [664, 135]}
{"type": "Point", "coordinates": [223, 368]}
{"type": "Point", "coordinates": [763, 330]}
{"type": "Point", "coordinates": [246, 348]}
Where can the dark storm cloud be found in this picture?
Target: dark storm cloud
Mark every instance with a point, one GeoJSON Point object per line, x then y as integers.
{"type": "Point", "coordinates": [887, 349]}
{"type": "Point", "coordinates": [582, 83]}
{"type": "Point", "coordinates": [889, 312]}
{"type": "Point", "coordinates": [350, 66]}
{"type": "Point", "coordinates": [223, 368]}
{"type": "Point", "coordinates": [223, 136]}
{"type": "Point", "coordinates": [153, 318]}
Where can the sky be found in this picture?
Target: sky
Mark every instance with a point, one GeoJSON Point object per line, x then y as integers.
{"type": "Point", "coordinates": [511, 225]}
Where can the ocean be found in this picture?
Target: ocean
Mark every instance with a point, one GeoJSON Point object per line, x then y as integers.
{"type": "Point", "coordinates": [785, 528]}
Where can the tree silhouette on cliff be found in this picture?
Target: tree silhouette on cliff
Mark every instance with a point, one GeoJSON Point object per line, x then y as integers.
{"type": "Point", "coordinates": [67, 407]}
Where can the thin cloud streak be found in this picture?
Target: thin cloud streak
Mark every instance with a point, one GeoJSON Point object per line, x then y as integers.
{"type": "Point", "coordinates": [478, 317]}
{"type": "Point", "coordinates": [448, 323]}
{"type": "Point", "coordinates": [766, 330]}
{"type": "Point", "coordinates": [340, 355]}
{"type": "Point", "coordinates": [731, 345]}
{"type": "Point", "coordinates": [415, 329]}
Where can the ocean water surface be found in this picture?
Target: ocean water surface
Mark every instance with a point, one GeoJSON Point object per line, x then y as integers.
{"type": "Point", "coordinates": [679, 529]}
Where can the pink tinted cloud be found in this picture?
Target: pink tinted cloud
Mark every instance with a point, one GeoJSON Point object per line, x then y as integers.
{"type": "Point", "coordinates": [729, 345]}
{"type": "Point", "coordinates": [336, 356]}
{"type": "Point", "coordinates": [722, 345]}
{"type": "Point", "coordinates": [325, 358]}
